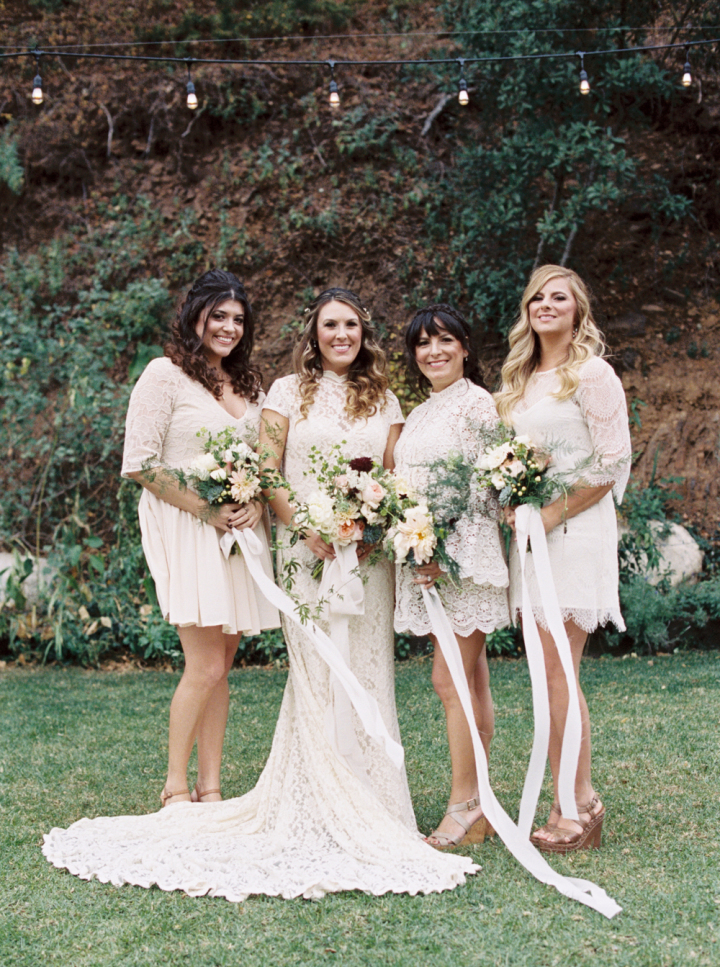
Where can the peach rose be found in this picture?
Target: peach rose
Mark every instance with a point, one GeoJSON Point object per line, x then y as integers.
{"type": "Point", "coordinates": [373, 493]}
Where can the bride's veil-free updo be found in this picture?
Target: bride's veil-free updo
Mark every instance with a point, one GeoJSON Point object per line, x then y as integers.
{"type": "Point", "coordinates": [524, 356]}
{"type": "Point", "coordinates": [185, 346]}
{"type": "Point", "coordinates": [366, 380]}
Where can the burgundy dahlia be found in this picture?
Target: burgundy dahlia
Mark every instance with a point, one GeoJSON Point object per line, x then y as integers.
{"type": "Point", "coordinates": [361, 464]}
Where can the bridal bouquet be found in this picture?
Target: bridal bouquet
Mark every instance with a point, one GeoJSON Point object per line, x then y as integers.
{"type": "Point", "coordinates": [517, 470]}
{"type": "Point", "coordinates": [421, 531]}
{"type": "Point", "coordinates": [355, 500]}
{"type": "Point", "coordinates": [228, 470]}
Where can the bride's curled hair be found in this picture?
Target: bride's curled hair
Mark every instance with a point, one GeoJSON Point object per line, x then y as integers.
{"type": "Point", "coordinates": [185, 345]}
{"type": "Point", "coordinates": [524, 356]}
{"type": "Point", "coordinates": [430, 320]}
{"type": "Point", "coordinates": [366, 380]}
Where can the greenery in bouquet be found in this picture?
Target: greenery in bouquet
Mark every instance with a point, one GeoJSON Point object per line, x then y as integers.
{"type": "Point", "coordinates": [420, 534]}
{"type": "Point", "coordinates": [516, 470]}
{"type": "Point", "coordinates": [355, 500]}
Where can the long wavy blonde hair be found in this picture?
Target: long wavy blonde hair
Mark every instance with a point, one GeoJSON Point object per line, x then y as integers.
{"type": "Point", "coordinates": [366, 380]}
{"type": "Point", "coordinates": [524, 356]}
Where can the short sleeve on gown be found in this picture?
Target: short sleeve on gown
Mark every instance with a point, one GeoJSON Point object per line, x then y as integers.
{"type": "Point", "coordinates": [604, 408]}
{"type": "Point", "coordinates": [281, 396]}
{"type": "Point", "coordinates": [149, 414]}
{"type": "Point", "coordinates": [392, 409]}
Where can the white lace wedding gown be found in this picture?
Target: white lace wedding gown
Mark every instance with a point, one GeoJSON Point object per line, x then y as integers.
{"type": "Point", "coordinates": [593, 424]}
{"type": "Point", "coordinates": [453, 421]}
{"type": "Point", "coordinates": [311, 825]}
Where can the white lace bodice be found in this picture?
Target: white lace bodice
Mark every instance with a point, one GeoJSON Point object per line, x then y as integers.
{"type": "Point", "coordinates": [593, 422]}
{"type": "Point", "coordinates": [327, 424]}
{"type": "Point", "coordinates": [167, 409]}
{"type": "Point", "coordinates": [453, 421]}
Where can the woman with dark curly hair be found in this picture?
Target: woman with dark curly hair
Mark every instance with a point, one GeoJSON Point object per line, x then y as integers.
{"type": "Point", "coordinates": [439, 352]}
{"type": "Point", "coordinates": [204, 382]}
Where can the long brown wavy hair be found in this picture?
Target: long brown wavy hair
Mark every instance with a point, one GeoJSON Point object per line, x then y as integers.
{"type": "Point", "coordinates": [366, 380]}
{"type": "Point", "coordinates": [185, 347]}
{"type": "Point", "coordinates": [524, 356]}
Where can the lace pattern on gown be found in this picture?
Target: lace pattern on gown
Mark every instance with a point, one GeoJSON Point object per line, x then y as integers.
{"type": "Point", "coordinates": [454, 421]}
{"type": "Point", "coordinates": [310, 826]}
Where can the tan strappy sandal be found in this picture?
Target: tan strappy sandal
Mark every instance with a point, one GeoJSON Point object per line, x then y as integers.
{"type": "Point", "coordinates": [474, 833]}
{"type": "Point", "coordinates": [166, 796]}
{"type": "Point", "coordinates": [200, 795]}
{"type": "Point", "coordinates": [565, 840]}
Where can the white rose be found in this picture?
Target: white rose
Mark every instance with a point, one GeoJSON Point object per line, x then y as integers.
{"type": "Point", "coordinates": [498, 481]}
{"type": "Point", "coordinates": [220, 474]}
{"type": "Point", "coordinates": [320, 511]}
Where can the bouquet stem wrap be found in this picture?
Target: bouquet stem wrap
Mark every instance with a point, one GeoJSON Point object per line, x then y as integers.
{"type": "Point", "coordinates": [364, 704]}
{"type": "Point", "coordinates": [516, 839]}
{"type": "Point", "coordinates": [530, 528]}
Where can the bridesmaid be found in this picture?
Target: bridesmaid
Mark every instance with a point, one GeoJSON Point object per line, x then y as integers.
{"type": "Point", "coordinates": [439, 353]}
{"type": "Point", "coordinates": [204, 381]}
{"type": "Point", "coordinates": [556, 387]}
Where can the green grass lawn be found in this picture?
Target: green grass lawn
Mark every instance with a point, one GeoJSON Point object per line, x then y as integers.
{"type": "Point", "coordinates": [85, 743]}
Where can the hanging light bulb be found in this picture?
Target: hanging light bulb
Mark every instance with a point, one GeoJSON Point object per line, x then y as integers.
{"type": "Point", "coordinates": [37, 91]}
{"type": "Point", "coordinates": [192, 101]}
{"type": "Point", "coordinates": [334, 97]}
{"type": "Point", "coordinates": [687, 74]}
{"type": "Point", "coordinates": [584, 82]}
{"type": "Point", "coordinates": [463, 96]}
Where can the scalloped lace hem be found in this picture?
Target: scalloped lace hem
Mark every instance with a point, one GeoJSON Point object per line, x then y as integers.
{"type": "Point", "coordinates": [588, 619]}
{"type": "Point", "coordinates": [405, 624]}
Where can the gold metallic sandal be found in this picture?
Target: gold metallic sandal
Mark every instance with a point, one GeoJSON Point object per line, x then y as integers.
{"type": "Point", "coordinates": [565, 840]}
{"type": "Point", "coordinates": [474, 833]}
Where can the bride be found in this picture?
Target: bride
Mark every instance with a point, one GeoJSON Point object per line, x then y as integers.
{"type": "Point", "coordinates": [317, 821]}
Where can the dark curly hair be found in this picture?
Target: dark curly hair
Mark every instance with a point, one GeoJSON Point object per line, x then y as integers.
{"type": "Point", "coordinates": [426, 321]}
{"type": "Point", "coordinates": [185, 346]}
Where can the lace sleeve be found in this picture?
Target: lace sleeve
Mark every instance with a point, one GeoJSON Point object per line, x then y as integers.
{"type": "Point", "coordinates": [475, 545]}
{"type": "Point", "coordinates": [281, 396]}
{"type": "Point", "coordinates": [149, 414]}
{"type": "Point", "coordinates": [392, 409]}
{"type": "Point", "coordinates": [604, 408]}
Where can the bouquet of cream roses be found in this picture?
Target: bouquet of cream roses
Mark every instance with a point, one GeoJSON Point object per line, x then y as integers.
{"type": "Point", "coordinates": [228, 470]}
{"type": "Point", "coordinates": [354, 500]}
{"type": "Point", "coordinates": [517, 470]}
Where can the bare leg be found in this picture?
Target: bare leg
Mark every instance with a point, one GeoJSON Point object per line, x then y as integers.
{"type": "Point", "coordinates": [205, 662]}
{"type": "Point", "coordinates": [211, 731]}
{"type": "Point", "coordinates": [462, 757]}
{"type": "Point", "coordinates": [558, 695]}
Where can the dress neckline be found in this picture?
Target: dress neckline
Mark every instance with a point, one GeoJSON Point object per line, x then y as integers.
{"type": "Point", "coordinates": [334, 377]}
{"type": "Point", "coordinates": [451, 391]}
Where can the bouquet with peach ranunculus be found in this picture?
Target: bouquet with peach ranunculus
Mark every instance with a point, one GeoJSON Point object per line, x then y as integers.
{"type": "Point", "coordinates": [354, 500]}
{"type": "Point", "coordinates": [420, 533]}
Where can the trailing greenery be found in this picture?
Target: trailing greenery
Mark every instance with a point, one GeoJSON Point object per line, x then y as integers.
{"type": "Point", "coordinates": [80, 743]}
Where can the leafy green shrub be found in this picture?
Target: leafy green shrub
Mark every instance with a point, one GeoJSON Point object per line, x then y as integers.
{"type": "Point", "coordinates": [11, 169]}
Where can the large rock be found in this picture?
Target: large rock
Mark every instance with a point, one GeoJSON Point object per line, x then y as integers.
{"type": "Point", "coordinates": [41, 575]}
{"type": "Point", "coordinates": [680, 557]}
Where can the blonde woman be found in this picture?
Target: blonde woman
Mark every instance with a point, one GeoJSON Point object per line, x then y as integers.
{"type": "Point", "coordinates": [558, 390]}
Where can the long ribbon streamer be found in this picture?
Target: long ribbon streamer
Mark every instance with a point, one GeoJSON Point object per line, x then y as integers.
{"type": "Point", "coordinates": [529, 527]}
{"type": "Point", "coordinates": [584, 891]}
{"type": "Point", "coordinates": [364, 704]}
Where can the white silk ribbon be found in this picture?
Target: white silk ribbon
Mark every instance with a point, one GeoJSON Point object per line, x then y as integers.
{"type": "Point", "coordinates": [529, 526]}
{"type": "Point", "coordinates": [517, 842]}
{"type": "Point", "coordinates": [364, 704]}
{"type": "Point", "coordinates": [342, 594]}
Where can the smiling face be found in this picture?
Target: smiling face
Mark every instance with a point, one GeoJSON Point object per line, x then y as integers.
{"type": "Point", "coordinates": [553, 310]}
{"type": "Point", "coordinates": [440, 358]}
{"type": "Point", "coordinates": [339, 336]}
{"type": "Point", "coordinates": [221, 329]}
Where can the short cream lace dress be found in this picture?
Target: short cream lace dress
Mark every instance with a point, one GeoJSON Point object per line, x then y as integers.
{"type": "Point", "coordinates": [591, 429]}
{"type": "Point", "coordinates": [455, 420]}
{"type": "Point", "coordinates": [311, 825]}
{"type": "Point", "coordinates": [195, 583]}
